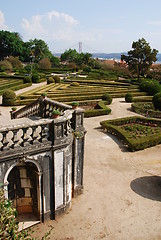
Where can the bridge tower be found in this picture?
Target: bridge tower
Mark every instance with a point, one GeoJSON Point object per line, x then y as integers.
{"type": "Point", "coordinates": [80, 47]}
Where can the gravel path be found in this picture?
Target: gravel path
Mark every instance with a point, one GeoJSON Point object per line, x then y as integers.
{"type": "Point", "coordinates": [122, 190]}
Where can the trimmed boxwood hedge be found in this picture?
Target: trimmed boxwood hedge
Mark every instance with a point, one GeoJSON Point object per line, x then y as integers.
{"type": "Point", "coordinates": [96, 112]}
{"type": "Point", "coordinates": [133, 144]}
{"type": "Point", "coordinates": [145, 109]}
{"type": "Point", "coordinates": [101, 109]}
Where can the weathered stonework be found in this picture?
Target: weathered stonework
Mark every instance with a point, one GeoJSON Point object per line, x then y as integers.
{"type": "Point", "coordinates": [41, 163]}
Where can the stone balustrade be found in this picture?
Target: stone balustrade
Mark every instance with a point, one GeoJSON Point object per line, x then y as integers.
{"type": "Point", "coordinates": [42, 133]}
{"type": "Point", "coordinates": [42, 107]}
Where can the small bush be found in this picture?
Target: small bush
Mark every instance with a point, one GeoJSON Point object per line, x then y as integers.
{"type": "Point", "coordinates": [16, 63]}
{"type": "Point", "coordinates": [8, 98]}
{"type": "Point", "coordinates": [74, 84]}
{"type": "Point", "coordinates": [150, 86]}
{"type": "Point", "coordinates": [57, 79]}
{"type": "Point", "coordinates": [27, 79]}
{"type": "Point", "coordinates": [5, 65]}
{"type": "Point", "coordinates": [157, 101]}
{"type": "Point", "coordinates": [35, 78]}
{"type": "Point", "coordinates": [44, 64]}
{"type": "Point", "coordinates": [106, 97]}
{"type": "Point", "coordinates": [129, 97]}
{"type": "Point", "coordinates": [50, 80]}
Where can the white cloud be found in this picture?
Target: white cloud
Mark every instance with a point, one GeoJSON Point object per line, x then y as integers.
{"type": "Point", "coordinates": [3, 26]}
{"type": "Point", "coordinates": [50, 26]}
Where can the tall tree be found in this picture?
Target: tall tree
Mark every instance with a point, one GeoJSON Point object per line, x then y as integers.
{"type": "Point", "coordinates": [39, 49]}
{"type": "Point", "coordinates": [140, 59]}
{"type": "Point", "coordinates": [11, 44]}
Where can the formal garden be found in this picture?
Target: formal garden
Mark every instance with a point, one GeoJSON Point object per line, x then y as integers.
{"type": "Point", "coordinates": [79, 80]}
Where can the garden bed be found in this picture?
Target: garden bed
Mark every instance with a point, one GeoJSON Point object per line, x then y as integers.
{"type": "Point", "coordinates": [146, 109]}
{"type": "Point", "coordinates": [136, 133]}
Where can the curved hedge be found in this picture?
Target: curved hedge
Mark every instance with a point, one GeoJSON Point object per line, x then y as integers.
{"type": "Point", "coordinates": [145, 109]}
{"type": "Point", "coordinates": [101, 109]}
{"type": "Point", "coordinates": [157, 101]}
{"type": "Point", "coordinates": [133, 144]}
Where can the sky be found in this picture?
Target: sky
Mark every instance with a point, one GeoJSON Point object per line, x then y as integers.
{"type": "Point", "coordinates": [103, 26]}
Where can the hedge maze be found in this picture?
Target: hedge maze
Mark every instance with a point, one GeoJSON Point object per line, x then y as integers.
{"type": "Point", "coordinates": [83, 91]}
{"type": "Point", "coordinates": [12, 83]}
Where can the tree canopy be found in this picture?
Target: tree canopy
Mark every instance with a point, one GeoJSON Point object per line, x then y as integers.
{"type": "Point", "coordinates": [140, 59]}
{"type": "Point", "coordinates": [11, 44]}
{"type": "Point", "coordinates": [72, 56]}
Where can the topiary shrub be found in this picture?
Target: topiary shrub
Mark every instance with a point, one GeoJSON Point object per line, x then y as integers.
{"type": "Point", "coordinates": [57, 79]}
{"type": "Point", "coordinates": [74, 84]}
{"type": "Point", "coordinates": [150, 86]}
{"type": "Point", "coordinates": [8, 98]}
{"type": "Point", "coordinates": [27, 79]}
{"type": "Point", "coordinates": [106, 97]}
{"type": "Point", "coordinates": [35, 78]}
{"type": "Point", "coordinates": [157, 101]}
{"type": "Point", "coordinates": [50, 80]}
{"type": "Point", "coordinates": [129, 97]}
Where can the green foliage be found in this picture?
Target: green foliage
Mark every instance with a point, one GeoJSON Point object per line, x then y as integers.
{"type": "Point", "coordinates": [129, 97]}
{"type": "Point", "coordinates": [75, 84]}
{"type": "Point", "coordinates": [75, 103]}
{"type": "Point", "coordinates": [56, 79]}
{"type": "Point", "coordinates": [35, 78]}
{"type": "Point", "coordinates": [140, 59]}
{"type": "Point", "coordinates": [11, 44]}
{"type": "Point", "coordinates": [146, 109]}
{"type": "Point", "coordinates": [150, 86]}
{"type": "Point", "coordinates": [16, 63]}
{"type": "Point", "coordinates": [8, 98]}
{"type": "Point", "coordinates": [56, 112]}
{"type": "Point", "coordinates": [135, 137]}
{"type": "Point", "coordinates": [27, 79]}
{"type": "Point", "coordinates": [100, 109]}
{"type": "Point", "coordinates": [5, 65]}
{"type": "Point", "coordinates": [8, 222]}
{"type": "Point", "coordinates": [44, 94]}
{"type": "Point", "coordinates": [107, 97]}
{"type": "Point", "coordinates": [157, 101]}
{"type": "Point", "coordinates": [50, 80]}
{"type": "Point", "coordinates": [96, 112]}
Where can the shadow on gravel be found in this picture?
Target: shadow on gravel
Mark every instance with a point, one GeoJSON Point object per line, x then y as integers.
{"type": "Point", "coordinates": [148, 187]}
{"type": "Point", "coordinates": [115, 139]}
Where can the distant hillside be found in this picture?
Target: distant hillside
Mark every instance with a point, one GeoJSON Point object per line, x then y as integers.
{"type": "Point", "coordinates": [117, 56]}
{"type": "Point", "coordinates": [111, 55]}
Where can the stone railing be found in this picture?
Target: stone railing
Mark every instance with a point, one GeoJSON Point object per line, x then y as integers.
{"type": "Point", "coordinates": [47, 106]}
{"type": "Point", "coordinates": [29, 110]}
{"type": "Point", "coordinates": [39, 134]}
{"type": "Point", "coordinates": [41, 107]}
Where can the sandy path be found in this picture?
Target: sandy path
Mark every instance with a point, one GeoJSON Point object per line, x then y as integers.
{"type": "Point", "coordinates": [122, 195]}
